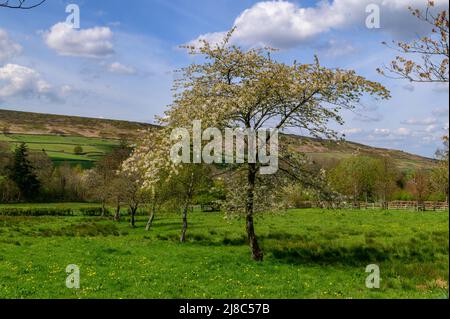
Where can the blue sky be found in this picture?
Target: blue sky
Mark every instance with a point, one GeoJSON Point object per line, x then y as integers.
{"type": "Point", "coordinates": [120, 63]}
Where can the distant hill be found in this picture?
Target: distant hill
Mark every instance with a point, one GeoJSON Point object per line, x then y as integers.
{"type": "Point", "coordinates": [59, 134]}
{"type": "Point", "coordinates": [38, 123]}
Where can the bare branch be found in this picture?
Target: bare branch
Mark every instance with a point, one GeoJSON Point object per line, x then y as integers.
{"type": "Point", "coordinates": [20, 4]}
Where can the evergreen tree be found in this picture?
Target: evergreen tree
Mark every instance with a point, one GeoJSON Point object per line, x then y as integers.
{"type": "Point", "coordinates": [21, 172]}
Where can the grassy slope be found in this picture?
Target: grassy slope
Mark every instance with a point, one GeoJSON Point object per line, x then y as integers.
{"type": "Point", "coordinates": [309, 254]}
{"type": "Point", "coordinates": [37, 123]}
{"type": "Point", "coordinates": [61, 148]}
{"type": "Point", "coordinates": [99, 135]}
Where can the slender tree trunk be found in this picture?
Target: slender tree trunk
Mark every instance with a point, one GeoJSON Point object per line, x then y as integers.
{"type": "Point", "coordinates": [133, 214]}
{"type": "Point", "coordinates": [186, 208]}
{"type": "Point", "coordinates": [103, 207]}
{"type": "Point", "coordinates": [150, 218]}
{"type": "Point", "coordinates": [117, 214]}
{"type": "Point", "coordinates": [257, 253]}
{"type": "Point", "coordinates": [185, 223]}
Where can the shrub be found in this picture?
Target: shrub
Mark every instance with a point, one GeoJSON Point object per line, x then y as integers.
{"type": "Point", "coordinates": [92, 211]}
{"type": "Point", "coordinates": [78, 150]}
{"type": "Point", "coordinates": [11, 211]}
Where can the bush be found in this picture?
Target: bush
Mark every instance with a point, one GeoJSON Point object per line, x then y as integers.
{"type": "Point", "coordinates": [78, 150]}
{"type": "Point", "coordinates": [10, 211]}
{"type": "Point", "coordinates": [92, 211]}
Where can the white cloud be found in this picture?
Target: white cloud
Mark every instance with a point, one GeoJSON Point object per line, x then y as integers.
{"type": "Point", "coordinates": [284, 24]}
{"type": "Point", "coordinates": [8, 48]}
{"type": "Point", "coordinates": [426, 121]}
{"type": "Point", "coordinates": [24, 82]}
{"type": "Point", "coordinates": [402, 131]}
{"type": "Point", "coordinates": [91, 43]}
{"type": "Point", "coordinates": [119, 68]}
{"type": "Point", "coordinates": [432, 128]}
{"type": "Point", "coordinates": [382, 131]}
{"type": "Point", "coordinates": [351, 131]}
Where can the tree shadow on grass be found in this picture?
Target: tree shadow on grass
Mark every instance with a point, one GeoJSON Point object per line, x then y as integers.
{"type": "Point", "coordinates": [357, 255]}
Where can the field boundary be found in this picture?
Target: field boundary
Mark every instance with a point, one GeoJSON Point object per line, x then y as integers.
{"type": "Point", "coordinates": [390, 205]}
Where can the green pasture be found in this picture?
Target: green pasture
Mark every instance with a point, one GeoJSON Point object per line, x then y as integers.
{"type": "Point", "coordinates": [61, 148]}
{"type": "Point", "coordinates": [309, 253]}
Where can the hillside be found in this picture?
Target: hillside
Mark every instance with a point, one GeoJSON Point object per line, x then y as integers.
{"type": "Point", "coordinates": [58, 135]}
{"type": "Point", "coordinates": [49, 124]}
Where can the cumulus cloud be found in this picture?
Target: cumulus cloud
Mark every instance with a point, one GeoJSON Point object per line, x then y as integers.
{"type": "Point", "coordinates": [8, 48]}
{"type": "Point", "coordinates": [352, 131]}
{"type": "Point", "coordinates": [24, 82]}
{"type": "Point", "coordinates": [402, 131]}
{"type": "Point", "coordinates": [382, 131]}
{"type": "Point", "coordinates": [119, 68]}
{"type": "Point", "coordinates": [425, 122]}
{"type": "Point", "coordinates": [284, 24]}
{"type": "Point", "coordinates": [90, 43]}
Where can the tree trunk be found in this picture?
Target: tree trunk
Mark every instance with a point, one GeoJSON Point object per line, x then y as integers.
{"type": "Point", "coordinates": [257, 253]}
{"type": "Point", "coordinates": [103, 208]}
{"type": "Point", "coordinates": [150, 219]}
{"type": "Point", "coordinates": [117, 214]}
{"type": "Point", "coordinates": [133, 213]}
{"type": "Point", "coordinates": [186, 207]}
{"type": "Point", "coordinates": [185, 224]}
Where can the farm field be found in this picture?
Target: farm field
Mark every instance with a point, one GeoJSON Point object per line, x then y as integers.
{"type": "Point", "coordinates": [61, 148]}
{"type": "Point", "coordinates": [310, 253]}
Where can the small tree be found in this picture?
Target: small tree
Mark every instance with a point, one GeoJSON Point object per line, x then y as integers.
{"type": "Point", "coordinates": [440, 175]}
{"type": "Point", "coordinates": [133, 194]}
{"type": "Point", "coordinates": [101, 178]}
{"type": "Point", "coordinates": [356, 177]}
{"type": "Point", "coordinates": [21, 172]}
{"type": "Point", "coordinates": [419, 186]}
{"type": "Point", "coordinates": [385, 182]}
{"type": "Point", "coordinates": [78, 150]}
{"type": "Point", "coordinates": [185, 185]}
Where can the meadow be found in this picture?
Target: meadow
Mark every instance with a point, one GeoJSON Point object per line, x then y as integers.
{"type": "Point", "coordinates": [309, 253]}
{"type": "Point", "coordinates": [61, 148]}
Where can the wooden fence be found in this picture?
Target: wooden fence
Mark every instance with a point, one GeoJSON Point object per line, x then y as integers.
{"type": "Point", "coordinates": [392, 205]}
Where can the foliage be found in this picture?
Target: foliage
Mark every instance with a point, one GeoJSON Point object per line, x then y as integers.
{"type": "Point", "coordinates": [439, 175]}
{"type": "Point", "coordinates": [78, 150]}
{"type": "Point", "coordinates": [20, 171]}
{"type": "Point", "coordinates": [234, 88]}
{"type": "Point", "coordinates": [433, 51]}
{"type": "Point", "coordinates": [48, 211]}
{"type": "Point", "coordinates": [360, 177]}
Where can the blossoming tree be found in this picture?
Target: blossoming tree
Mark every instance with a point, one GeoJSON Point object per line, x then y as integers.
{"type": "Point", "coordinates": [248, 89]}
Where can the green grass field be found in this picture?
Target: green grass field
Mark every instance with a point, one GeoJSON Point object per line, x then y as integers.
{"type": "Point", "coordinates": [61, 148]}
{"type": "Point", "coordinates": [309, 254]}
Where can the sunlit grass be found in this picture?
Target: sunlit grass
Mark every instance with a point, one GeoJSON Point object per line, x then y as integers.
{"type": "Point", "coordinates": [308, 254]}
